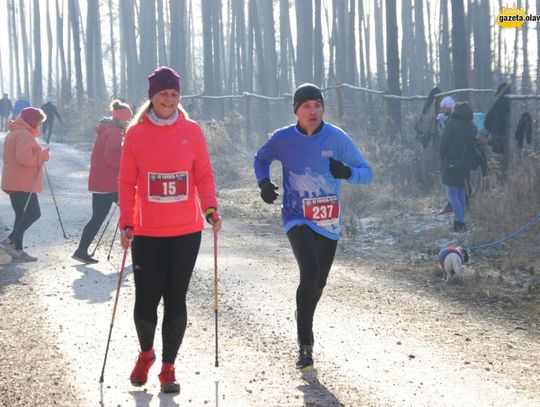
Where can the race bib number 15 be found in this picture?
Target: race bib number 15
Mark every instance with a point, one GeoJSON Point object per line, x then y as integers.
{"type": "Point", "coordinates": [322, 211]}
{"type": "Point", "coordinates": [167, 187]}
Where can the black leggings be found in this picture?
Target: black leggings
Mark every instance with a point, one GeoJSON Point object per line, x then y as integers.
{"type": "Point", "coordinates": [315, 255]}
{"type": "Point", "coordinates": [101, 205]}
{"type": "Point", "coordinates": [23, 220]}
{"type": "Point", "coordinates": [162, 267]}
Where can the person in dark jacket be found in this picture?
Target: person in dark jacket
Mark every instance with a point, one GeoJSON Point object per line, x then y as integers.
{"type": "Point", "coordinates": [5, 109]}
{"type": "Point", "coordinates": [50, 110]}
{"type": "Point", "coordinates": [457, 138]}
{"type": "Point", "coordinates": [103, 177]}
{"type": "Point", "coordinates": [497, 119]}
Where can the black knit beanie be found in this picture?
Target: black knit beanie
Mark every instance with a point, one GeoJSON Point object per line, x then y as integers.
{"type": "Point", "coordinates": [307, 91]}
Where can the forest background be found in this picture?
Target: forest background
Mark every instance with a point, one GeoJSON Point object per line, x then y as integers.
{"type": "Point", "coordinates": [240, 61]}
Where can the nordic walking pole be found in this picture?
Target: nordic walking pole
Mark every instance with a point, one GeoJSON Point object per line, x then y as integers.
{"type": "Point", "coordinates": [120, 278]}
{"type": "Point", "coordinates": [54, 200]}
{"type": "Point", "coordinates": [104, 229]}
{"type": "Point", "coordinates": [112, 242]}
{"type": "Point", "coordinates": [216, 292]}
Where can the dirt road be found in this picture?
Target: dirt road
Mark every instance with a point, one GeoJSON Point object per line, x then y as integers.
{"type": "Point", "coordinates": [385, 336]}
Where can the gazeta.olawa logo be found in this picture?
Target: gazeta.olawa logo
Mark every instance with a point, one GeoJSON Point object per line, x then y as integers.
{"type": "Point", "coordinates": [513, 17]}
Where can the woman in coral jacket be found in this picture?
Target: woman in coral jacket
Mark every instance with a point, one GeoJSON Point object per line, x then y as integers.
{"type": "Point", "coordinates": [166, 190]}
{"type": "Point", "coordinates": [103, 177]}
{"type": "Point", "coordinates": [22, 177]}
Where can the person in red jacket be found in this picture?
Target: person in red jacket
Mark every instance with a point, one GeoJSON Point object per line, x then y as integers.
{"type": "Point", "coordinates": [103, 178]}
{"type": "Point", "coordinates": [166, 190]}
{"type": "Point", "coordinates": [22, 177]}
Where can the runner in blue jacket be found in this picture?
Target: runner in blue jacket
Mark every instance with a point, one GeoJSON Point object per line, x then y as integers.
{"type": "Point", "coordinates": [315, 157]}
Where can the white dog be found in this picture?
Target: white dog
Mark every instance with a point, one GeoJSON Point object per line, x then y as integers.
{"type": "Point", "coordinates": [452, 262]}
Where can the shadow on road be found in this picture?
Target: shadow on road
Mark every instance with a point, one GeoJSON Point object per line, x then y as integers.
{"type": "Point", "coordinates": [95, 286]}
{"type": "Point", "coordinates": [317, 394]}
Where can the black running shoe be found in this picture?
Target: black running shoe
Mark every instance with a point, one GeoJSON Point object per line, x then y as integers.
{"type": "Point", "coordinates": [305, 358]}
{"type": "Point", "coordinates": [84, 258]}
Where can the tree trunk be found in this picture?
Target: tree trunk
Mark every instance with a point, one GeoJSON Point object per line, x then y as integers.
{"type": "Point", "coordinates": [162, 48]}
{"type": "Point", "coordinates": [407, 46]}
{"type": "Point", "coordinates": [422, 85]}
{"type": "Point", "coordinates": [75, 31]}
{"type": "Point", "coordinates": [340, 41]}
{"type": "Point", "coordinates": [526, 78]}
{"type": "Point", "coordinates": [459, 46]}
{"type": "Point", "coordinates": [445, 67]}
{"type": "Point", "coordinates": [14, 49]}
{"type": "Point", "coordinates": [37, 82]}
{"type": "Point", "coordinates": [361, 22]}
{"type": "Point", "coordinates": [178, 37]}
{"type": "Point", "coordinates": [65, 81]}
{"type": "Point", "coordinates": [147, 40]}
{"type": "Point", "coordinates": [285, 75]}
{"type": "Point", "coordinates": [379, 44]}
{"type": "Point", "coordinates": [265, 8]}
{"type": "Point", "coordinates": [318, 54]}
{"type": "Point", "coordinates": [350, 44]}
{"type": "Point", "coordinates": [95, 82]}
{"type": "Point", "coordinates": [240, 44]}
{"type": "Point", "coordinates": [304, 41]}
{"type": "Point", "coordinates": [392, 52]}
{"type": "Point", "coordinates": [113, 52]}
{"type": "Point", "coordinates": [25, 48]}
{"type": "Point", "coordinates": [49, 51]}
{"type": "Point", "coordinates": [208, 67]}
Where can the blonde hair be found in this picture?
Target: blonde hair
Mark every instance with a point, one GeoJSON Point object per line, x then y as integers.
{"type": "Point", "coordinates": [118, 105]}
{"type": "Point", "coordinates": [145, 108]}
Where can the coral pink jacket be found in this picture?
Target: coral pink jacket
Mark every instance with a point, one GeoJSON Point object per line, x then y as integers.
{"type": "Point", "coordinates": [105, 161]}
{"type": "Point", "coordinates": [23, 159]}
{"type": "Point", "coordinates": [166, 179]}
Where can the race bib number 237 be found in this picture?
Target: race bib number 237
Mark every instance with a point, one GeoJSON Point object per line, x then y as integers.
{"type": "Point", "coordinates": [322, 211]}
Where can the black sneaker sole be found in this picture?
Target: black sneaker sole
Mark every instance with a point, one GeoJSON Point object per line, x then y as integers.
{"type": "Point", "coordinates": [85, 261]}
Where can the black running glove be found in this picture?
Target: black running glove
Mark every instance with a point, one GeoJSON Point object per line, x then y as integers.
{"type": "Point", "coordinates": [268, 191]}
{"type": "Point", "coordinates": [339, 170]}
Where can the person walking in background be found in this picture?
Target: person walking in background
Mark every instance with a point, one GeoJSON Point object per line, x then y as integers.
{"type": "Point", "coordinates": [315, 158]}
{"type": "Point", "coordinates": [20, 104]}
{"type": "Point", "coordinates": [165, 180]}
{"type": "Point", "coordinates": [51, 111]}
{"type": "Point", "coordinates": [447, 105]}
{"type": "Point", "coordinates": [5, 109]}
{"type": "Point", "coordinates": [457, 138]}
{"type": "Point", "coordinates": [22, 177]}
{"type": "Point", "coordinates": [103, 177]}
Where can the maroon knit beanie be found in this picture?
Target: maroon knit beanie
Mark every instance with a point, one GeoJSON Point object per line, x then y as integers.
{"type": "Point", "coordinates": [32, 116]}
{"type": "Point", "coordinates": [163, 78]}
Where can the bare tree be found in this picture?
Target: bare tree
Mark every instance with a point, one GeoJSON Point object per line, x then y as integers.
{"type": "Point", "coordinates": [422, 85]}
{"type": "Point", "coordinates": [147, 40]}
{"type": "Point", "coordinates": [460, 58]}
{"type": "Point", "coordinates": [407, 44]}
{"type": "Point", "coordinates": [350, 44]}
{"type": "Point", "coordinates": [113, 51]}
{"type": "Point", "coordinates": [379, 43]}
{"type": "Point", "coordinates": [304, 41]}
{"type": "Point", "coordinates": [95, 82]}
{"type": "Point", "coordinates": [178, 36]}
{"type": "Point", "coordinates": [49, 51]}
{"type": "Point", "coordinates": [25, 47]}
{"type": "Point", "coordinates": [75, 32]}
{"type": "Point", "coordinates": [445, 66]}
{"type": "Point", "coordinates": [14, 49]}
{"type": "Point", "coordinates": [37, 80]}
{"type": "Point", "coordinates": [128, 53]}
{"type": "Point", "coordinates": [392, 52]}
{"type": "Point", "coordinates": [318, 56]}
{"type": "Point", "coordinates": [161, 47]}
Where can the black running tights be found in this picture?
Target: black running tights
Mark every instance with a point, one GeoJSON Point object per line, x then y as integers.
{"type": "Point", "coordinates": [101, 205]}
{"type": "Point", "coordinates": [23, 218]}
{"type": "Point", "coordinates": [162, 267]}
{"type": "Point", "coordinates": [315, 255]}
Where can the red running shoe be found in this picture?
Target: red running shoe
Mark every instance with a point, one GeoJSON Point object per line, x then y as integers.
{"type": "Point", "coordinates": [168, 379]}
{"type": "Point", "coordinates": [447, 209]}
{"type": "Point", "coordinates": [139, 375]}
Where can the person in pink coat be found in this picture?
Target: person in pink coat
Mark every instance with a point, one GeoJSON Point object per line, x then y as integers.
{"type": "Point", "coordinates": [103, 178]}
{"type": "Point", "coordinates": [22, 177]}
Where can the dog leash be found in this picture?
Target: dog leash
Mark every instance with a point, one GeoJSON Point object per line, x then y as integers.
{"type": "Point", "coordinates": [518, 232]}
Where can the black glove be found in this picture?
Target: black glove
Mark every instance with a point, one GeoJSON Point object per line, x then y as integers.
{"type": "Point", "coordinates": [339, 170]}
{"type": "Point", "coordinates": [268, 191]}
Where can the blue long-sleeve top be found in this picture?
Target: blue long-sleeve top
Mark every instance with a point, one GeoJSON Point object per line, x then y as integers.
{"type": "Point", "coordinates": [311, 195]}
